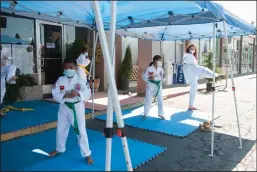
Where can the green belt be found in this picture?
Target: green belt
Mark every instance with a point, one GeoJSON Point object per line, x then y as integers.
{"type": "Point", "coordinates": [158, 83]}
{"type": "Point", "coordinates": [72, 107]}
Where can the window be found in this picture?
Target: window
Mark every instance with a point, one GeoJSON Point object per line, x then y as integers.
{"type": "Point", "coordinates": [24, 60]}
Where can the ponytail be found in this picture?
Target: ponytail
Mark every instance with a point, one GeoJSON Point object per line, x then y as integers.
{"type": "Point", "coordinates": [155, 58]}
{"type": "Point", "coordinates": [151, 64]}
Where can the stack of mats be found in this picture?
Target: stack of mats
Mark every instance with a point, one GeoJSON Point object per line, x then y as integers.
{"type": "Point", "coordinates": [178, 122]}
{"type": "Point", "coordinates": [17, 154]}
{"type": "Point", "coordinates": [44, 112]}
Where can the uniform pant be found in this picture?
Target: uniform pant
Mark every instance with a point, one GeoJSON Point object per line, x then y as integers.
{"type": "Point", "coordinates": [65, 119]}
{"type": "Point", "coordinates": [192, 73]}
{"type": "Point", "coordinates": [148, 100]}
{"type": "Point", "coordinates": [3, 91]}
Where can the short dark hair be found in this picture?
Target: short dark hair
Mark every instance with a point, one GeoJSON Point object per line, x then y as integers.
{"type": "Point", "coordinates": [84, 50]}
{"type": "Point", "coordinates": [70, 60]}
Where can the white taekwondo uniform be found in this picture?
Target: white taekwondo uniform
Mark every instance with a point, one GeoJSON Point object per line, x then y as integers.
{"type": "Point", "coordinates": [151, 89]}
{"type": "Point", "coordinates": [7, 73]}
{"type": "Point", "coordinates": [66, 115]}
{"type": "Point", "coordinates": [83, 62]}
{"type": "Point", "coordinates": [192, 73]}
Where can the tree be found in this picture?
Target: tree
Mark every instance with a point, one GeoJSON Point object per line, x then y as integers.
{"type": "Point", "coordinates": [126, 66]}
{"type": "Point", "coordinates": [208, 62]}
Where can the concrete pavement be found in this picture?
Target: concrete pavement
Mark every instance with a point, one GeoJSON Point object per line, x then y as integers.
{"type": "Point", "coordinates": [191, 153]}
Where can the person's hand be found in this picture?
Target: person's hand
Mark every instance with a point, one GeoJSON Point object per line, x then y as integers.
{"type": "Point", "coordinates": [75, 93]}
{"type": "Point", "coordinates": [67, 96]}
{"type": "Point", "coordinates": [151, 77]}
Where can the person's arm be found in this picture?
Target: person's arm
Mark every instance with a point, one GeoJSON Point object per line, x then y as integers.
{"type": "Point", "coordinates": [87, 61]}
{"type": "Point", "coordinates": [189, 59]}
{"type": "Point", "coordinates": [146, 75]}
{"type": "Point", "coordinates": [59, 93]}
{"type": "Point", "coordinates": [163, 74]}
{"type": "Point", "coordinates": [84, 93]}
{"type": "Point", "coordinates": [11, 78]}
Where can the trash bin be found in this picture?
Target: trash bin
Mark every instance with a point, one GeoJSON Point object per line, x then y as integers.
{"type": "Point", "coordinates": [180, 75]}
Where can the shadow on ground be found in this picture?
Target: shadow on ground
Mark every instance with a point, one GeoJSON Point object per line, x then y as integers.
{"type": "Point", "coordinates": [190, 153]}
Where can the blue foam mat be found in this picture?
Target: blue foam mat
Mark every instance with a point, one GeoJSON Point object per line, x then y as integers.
{"type": "Point", "coordinates": [17, 154]}
{"type": "Point", "coordinates": [178, 122]}
{"type": "Point", "coordinates": [44, 112]}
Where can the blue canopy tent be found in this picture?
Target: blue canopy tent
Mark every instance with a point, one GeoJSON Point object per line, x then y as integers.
{"type": "Point", "coordinates": [5, 39]}
{"type": "Point", "coordinates": [155, 20]}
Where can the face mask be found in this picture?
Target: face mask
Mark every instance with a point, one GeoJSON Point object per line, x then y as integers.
{"type": "Point", "coordinates": [192, 51]}
{"type": "Point", "coordinates": [69, 73]}
{"type": "Point", "coordinates": [86, 54]}
{"type": "Point", "coordinates": [159, 63]}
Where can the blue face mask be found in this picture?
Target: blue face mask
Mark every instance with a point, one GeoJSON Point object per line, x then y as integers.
{"type": "Point", "coordinates": [69, 73]}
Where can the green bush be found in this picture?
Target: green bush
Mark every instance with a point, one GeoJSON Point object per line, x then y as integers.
{"type": "Point", "coordinates": [15, 92]}
{"type": "Point", "coordinates": [208, 59]}
{"type": "Point", "coordinates": [126, 66]}
{"type": "Point", "coordinates": [74, 49]}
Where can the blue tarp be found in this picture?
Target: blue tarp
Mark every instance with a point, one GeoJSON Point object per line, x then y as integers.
{"type": "Point", "coordinates": [156, 20]}
{"type": "Point", "coordinates": [5, 39]}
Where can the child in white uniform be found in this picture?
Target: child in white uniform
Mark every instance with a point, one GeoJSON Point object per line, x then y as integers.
{"type": "Point", "coordinates": [83, 61]}
{"type": "Point", "coordinates": [153, 77]}
{"type": "Point", "coordinates": [193, 72]}
{"type": "Point", "coordinates": [71, 91]}
{"type": "Point", "coordinates": [8, 75]}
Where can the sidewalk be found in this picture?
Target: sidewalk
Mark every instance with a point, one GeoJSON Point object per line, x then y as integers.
{"type": "Point", "coordinates": [101, 98]}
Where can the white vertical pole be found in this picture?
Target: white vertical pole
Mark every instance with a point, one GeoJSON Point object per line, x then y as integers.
{"type": "Point", "coordinates": [111, 80]}
{"type": "Point", "coordinates": [213, 91]}
{"type": "Point", "coordinates": [95, 37]}
{"type": "Point", "coordinates": [200, 52]}
{"type": "Point", "coordinates": [233, 85]}
{"type": "Point", "coordinates": [109, 121]}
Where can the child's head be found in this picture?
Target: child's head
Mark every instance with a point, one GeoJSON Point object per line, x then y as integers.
{"type": "Point", "coordinates": [85, 51]}
{"type": "Point", "coordinates": [191, 49]}
{"type": "Point", "coordinates": [70, 66]}
{"type": "Point", "coordinates": [157, 60]}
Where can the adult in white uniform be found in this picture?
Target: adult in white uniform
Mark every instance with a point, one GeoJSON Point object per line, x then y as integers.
{"type": "Point", "coordinates": [83, 61]}
{"type": "Point", "coordinates": [7, 75]}
{"type": "Point", "coordinates": [153, 76]}
{"type": "Point", "coordinates": [71, 91]}
{"type": "Point", "coordinates": [193, 72]}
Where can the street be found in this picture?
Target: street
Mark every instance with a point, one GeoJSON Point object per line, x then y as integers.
{"type": "Point", "coordinates": [192, 153]}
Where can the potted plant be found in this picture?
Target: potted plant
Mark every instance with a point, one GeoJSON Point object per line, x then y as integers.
{"type": "Point", "coordinates": [16, 92]}
{"type": "Point", "coordinates": [74, 49]}
{"type": "Point", "coordinates": [125, 70]}
{"type": "Point", "coordinates": [209, 64]}
{"type": "Point", "coordinates": [98, 56]}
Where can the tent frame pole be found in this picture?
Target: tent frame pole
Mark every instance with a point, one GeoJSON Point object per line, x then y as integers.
{"type": "Point", "coordinates": [213, 87]}
{"type": "Point", "coordinates": [109, 121]}
{"type": "Point", "coordinates": [95, 38]}
{"type": "Point", "coordinates": [233, 84]}
{"type": "Point", "coordinates": [113, 87]}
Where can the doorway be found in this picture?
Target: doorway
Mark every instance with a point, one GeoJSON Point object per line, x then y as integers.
{"type": "Point", "coordinates": [51, 53]}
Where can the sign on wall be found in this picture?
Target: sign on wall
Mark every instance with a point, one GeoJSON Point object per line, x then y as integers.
{"type": "Point", "coordinates": [50, 45]}
{"type": "Point", "coordinates": [180, 75]}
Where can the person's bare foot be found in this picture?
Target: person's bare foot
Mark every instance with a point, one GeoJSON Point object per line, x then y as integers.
{"type": "Point", "coordinates": [53, 153]}
{"type": "Point", "coordinates": [162, 117]}
{"type": "Point", "coordinates": [192, 108]}
{"type": "Point", "coordinates": [89, 160]}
